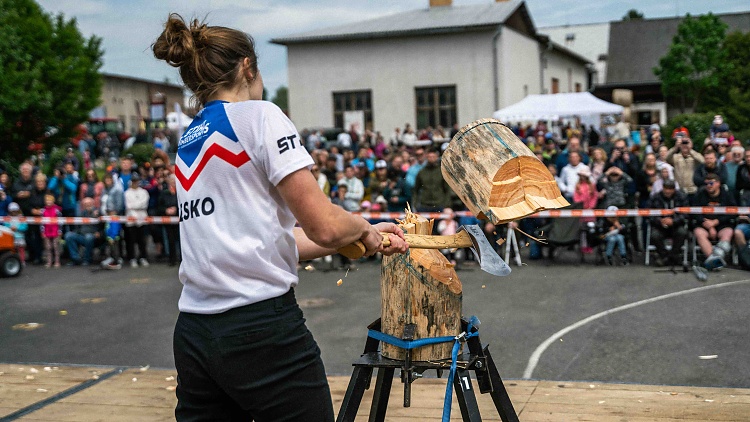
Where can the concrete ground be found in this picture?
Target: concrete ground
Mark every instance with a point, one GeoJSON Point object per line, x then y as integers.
{"type": "Point", "coordinates": [562, 321]}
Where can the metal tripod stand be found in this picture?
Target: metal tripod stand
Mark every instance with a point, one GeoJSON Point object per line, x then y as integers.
{"type": "Point", "coordinates": [478, 360]}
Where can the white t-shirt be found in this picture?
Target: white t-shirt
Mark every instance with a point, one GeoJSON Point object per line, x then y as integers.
{"type": "Point", "coordinates": [236, 230]}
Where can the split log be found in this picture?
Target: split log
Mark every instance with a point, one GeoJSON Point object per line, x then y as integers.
{"type": "Point", "coordinates": [420, 287]}
{"type": "Point", "coordinates": [496, 175]}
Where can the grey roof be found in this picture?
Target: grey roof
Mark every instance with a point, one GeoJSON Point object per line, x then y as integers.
{"type": "Point", "coordinates": [636, 46]}
{"type": "Point", "coordinates": [431, 20]}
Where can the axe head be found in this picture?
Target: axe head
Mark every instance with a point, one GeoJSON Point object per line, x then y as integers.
{"type": "Point", "coordinates": [489, 260]}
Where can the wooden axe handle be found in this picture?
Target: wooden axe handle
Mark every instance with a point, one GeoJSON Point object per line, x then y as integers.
{"type": "Point", "coordinates": [459, 240]}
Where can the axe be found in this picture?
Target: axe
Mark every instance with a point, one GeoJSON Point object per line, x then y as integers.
{"type": "Point", "coordinates": [469, 236]}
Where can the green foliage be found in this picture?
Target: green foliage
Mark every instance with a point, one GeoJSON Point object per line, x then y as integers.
{"type": "Point", "coordinates": [49, 78]}
{"type": "Point", "coordinates": [56, 158]}
{"type": "Point", "coordinates": [632, 15]}
{"type": "Point", "coordinates": [692, 66]}
{"type": "Point", "coordinates": [281, 98]}
{"type": "Point", "coordinates": [141, 152]}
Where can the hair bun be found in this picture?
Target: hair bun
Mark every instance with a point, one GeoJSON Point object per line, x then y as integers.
{"type": "Point", "coordinates": [176, 44]}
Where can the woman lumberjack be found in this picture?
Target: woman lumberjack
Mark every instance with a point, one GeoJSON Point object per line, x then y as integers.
{"type": "Point", "coordinates": [241, 347]}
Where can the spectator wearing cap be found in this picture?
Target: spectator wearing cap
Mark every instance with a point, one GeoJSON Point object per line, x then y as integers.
{"type": "Point", "coordinates": [569, 174]}
{"type": "Point", "coordinates": [685, 161]}
{"type": "Point", "coordinates": [668, 226]}
{"type": "Point", "coordinates": [19, 231]}
{"type": "Point", "coordinates": [379, 181]}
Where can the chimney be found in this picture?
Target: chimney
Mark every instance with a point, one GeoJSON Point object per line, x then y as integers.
{"type": "Point", "coordinates": [437, 3]}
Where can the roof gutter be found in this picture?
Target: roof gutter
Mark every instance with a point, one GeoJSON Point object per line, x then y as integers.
{"type": "Point", "coordinates": [495, 67]}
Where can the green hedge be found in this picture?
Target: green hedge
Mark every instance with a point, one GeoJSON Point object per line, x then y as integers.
{"type": "Point", "coordinates": [141, 152]}
{"type": "Point", "coordinates": [697, 124]}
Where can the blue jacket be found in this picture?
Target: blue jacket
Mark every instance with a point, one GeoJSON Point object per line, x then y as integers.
{"type": "Point", "coordinates": [66, 189]}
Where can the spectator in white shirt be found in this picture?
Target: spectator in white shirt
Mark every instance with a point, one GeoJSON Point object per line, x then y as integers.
{"type": "Point", "coordinates": [569, 174]}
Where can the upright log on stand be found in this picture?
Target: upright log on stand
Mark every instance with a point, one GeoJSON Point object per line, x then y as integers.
{"type": "Point", "coordinates": [421, 288]}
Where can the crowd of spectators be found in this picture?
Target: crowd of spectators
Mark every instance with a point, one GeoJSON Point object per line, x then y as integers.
{"type": "Point", "coordinates": [609, 169]}
{"type": "Point", "coordinates": [107, 186]}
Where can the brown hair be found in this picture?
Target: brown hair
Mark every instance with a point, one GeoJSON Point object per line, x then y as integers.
{"type": "Point", "coordinates": [209, 57]}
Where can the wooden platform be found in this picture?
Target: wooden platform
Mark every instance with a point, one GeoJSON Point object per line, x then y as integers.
{"type": "Point", "coordinates": [71, 393]}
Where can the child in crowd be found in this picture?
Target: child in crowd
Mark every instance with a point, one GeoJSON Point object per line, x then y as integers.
{"type": "Point", "coordinates": [112, 230]}
{"type": "Point", "coordinates": [19, 231]}
{"type": "Point", "coordinates": [51, 232]}
{"type": "Point", "coordinates": [448, 227]}
{"type": "Point", "coordinates": [586, 194]}
{"type": "Point", "coordinates": [612, 229]}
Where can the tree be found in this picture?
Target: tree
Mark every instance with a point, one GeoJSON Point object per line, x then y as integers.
{"type": "Point", "coordinates": [733, 99]}
{"type": "Point", "coordinates": [281, 98]}
{"type": "Point", "coordinates": [49, 78]}
{"type": "Point", "coordinates": [633, 15]}
{"type": "Point", "coordinates": [692, 66]}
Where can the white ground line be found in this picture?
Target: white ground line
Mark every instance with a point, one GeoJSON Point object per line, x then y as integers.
{"type": "Point", "coordinates": [534, 359]}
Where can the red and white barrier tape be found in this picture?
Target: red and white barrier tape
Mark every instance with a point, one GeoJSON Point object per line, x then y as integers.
{"type": "Point", "coordinates": [397, 215]}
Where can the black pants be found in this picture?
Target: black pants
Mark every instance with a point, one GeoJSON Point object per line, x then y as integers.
{"type": "Point", "coordinates": [257, 362]}
{"type": "Point", "coordinates": [678, 234]}
{"type": "Point", "coordinates": [173, 238]}
{"type": "Point", "coordinates": [135, 235]}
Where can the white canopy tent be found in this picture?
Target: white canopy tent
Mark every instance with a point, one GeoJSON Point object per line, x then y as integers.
{"type": "Point", "coordinates": [556, 106]}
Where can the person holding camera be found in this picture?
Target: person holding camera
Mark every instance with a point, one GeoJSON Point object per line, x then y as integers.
{"type": "Point", "coordinates": [623, 159]}
{"type": "Point", "coordinates": [685, 161]}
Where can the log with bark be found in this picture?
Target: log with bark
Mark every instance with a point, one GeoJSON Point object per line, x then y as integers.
{"type": "Point", "coordinates": [420, 287]}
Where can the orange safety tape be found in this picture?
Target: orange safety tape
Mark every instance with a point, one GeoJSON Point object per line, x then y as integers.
{"type": "Point", "coordinates": [644, 212]}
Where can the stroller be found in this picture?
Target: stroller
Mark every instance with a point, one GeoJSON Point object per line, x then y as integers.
{"type": "Point", "coordinates": [564, 232]}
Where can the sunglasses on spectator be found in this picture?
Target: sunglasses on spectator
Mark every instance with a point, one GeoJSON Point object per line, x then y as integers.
{"type": "Point", "coordinates": [711, 182]}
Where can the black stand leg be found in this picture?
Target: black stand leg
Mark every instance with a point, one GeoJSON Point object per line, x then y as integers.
{"type": "Point", "coordinates": [355, 391]}
{"type": "Point", "coordinates": [381, 394]}
{"type": "Point", "coordinates": [467, 401]}
{"type": "Point", "coordinates": [480, 361]}
{"type": "Point", "coordinates": [499, 394]}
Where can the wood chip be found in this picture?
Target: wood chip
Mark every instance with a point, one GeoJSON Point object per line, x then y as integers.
{"type": "Point", "coordinates": [171, 388]}
{"type": "Point", "coordinates": [340, 282]}
{"type": "Point", "coordinates": [500, 242]}
{"type": "Point", "coordinates": [93, 300]}
{"type": "Point", "coordinates": [707, 357]}
{"type": "Point", "coordinates": [28, 326]}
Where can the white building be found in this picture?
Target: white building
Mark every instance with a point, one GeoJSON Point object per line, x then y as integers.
{"type": "Point", "coordinates": [433, 66]}
{"type": "Point", "coordinates": [589, 40]}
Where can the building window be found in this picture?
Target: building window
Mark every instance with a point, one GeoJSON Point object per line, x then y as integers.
{"type": "Point", "coordinates": [578, 87]}
{"type": "Point", "coordinates": [436, 106]}
{"type": "Point", "coordinates": [352, 101]}
{"type": "Point", "coordinates": [555, 86]}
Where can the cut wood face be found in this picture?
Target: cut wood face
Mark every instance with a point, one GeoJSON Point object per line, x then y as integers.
{"type": "Point", "coordinates": [496, 175]}
{"type": "Point", "coordinates": [523, 186]}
